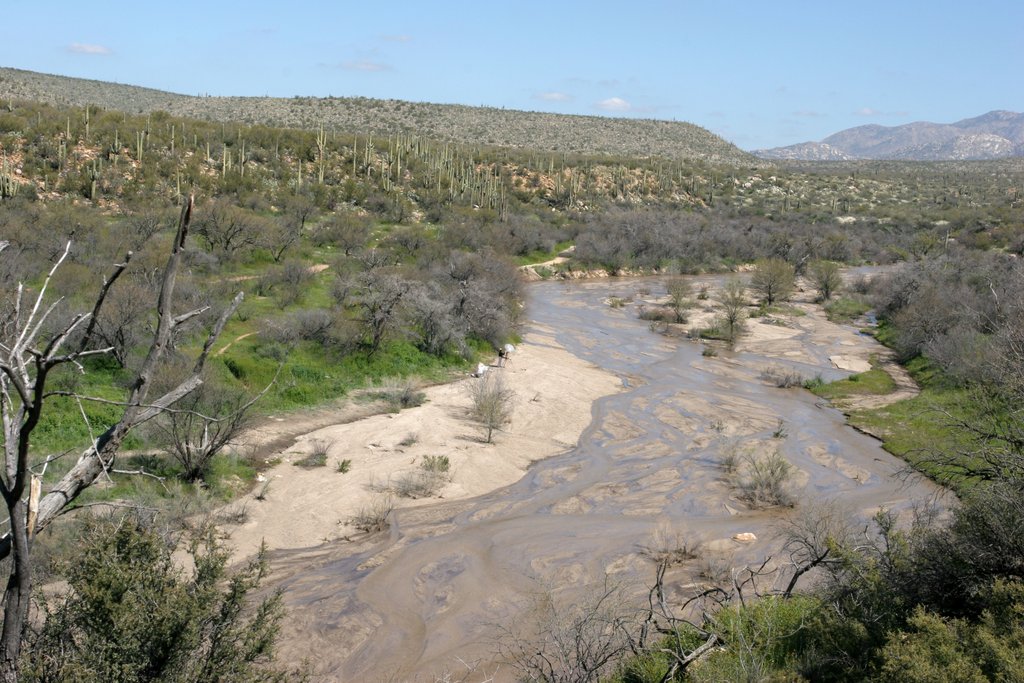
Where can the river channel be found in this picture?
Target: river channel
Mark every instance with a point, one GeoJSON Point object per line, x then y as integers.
{"type": "Point", "coordinates": [435, 593]}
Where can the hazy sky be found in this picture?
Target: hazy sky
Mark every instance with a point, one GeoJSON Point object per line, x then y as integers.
{"type": "Point", "coordinates": [760, 74]}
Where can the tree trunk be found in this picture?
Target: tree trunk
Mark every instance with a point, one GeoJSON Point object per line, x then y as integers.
{"type": "Point", "coordinates": [16, 597]}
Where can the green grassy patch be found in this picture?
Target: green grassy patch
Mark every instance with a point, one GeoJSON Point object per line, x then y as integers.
{"type": "Point", "coordinates": [875, 381]}
{"type": "Point", "coordinates": [541, 255]}
{"type": "Point", "coordinates": [846, 309]}
{"type": "Point", "coordinates": [915, 428]}
{"type": "Point", "coordinates": [310, 376]}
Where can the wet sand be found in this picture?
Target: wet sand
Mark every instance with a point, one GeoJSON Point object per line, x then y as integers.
{"type": "Point", "coordinates": [433, 594]}
{"type": "Point", "coordinates": [303, 507]}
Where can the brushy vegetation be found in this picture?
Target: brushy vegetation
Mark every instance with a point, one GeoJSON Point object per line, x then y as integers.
{"type": "Point", "coordinates": [763, 481]}
{"type": "Point", "coordinates": [131, 614]}
{"type": "Point", "coordinates": [373, 518]}
{"type": "Point", "coordinates": [317, 456]}
{"type": "Point", "coordinates": [846, 309]}
{"type": "Point", "coordinates": [491, 404]}
{"type": "Point", "coordinates": [782, 377]}
{"type": "Point", "coordinates": [369, 253]}
{"type": "Point", "coordinates": [432, 475]}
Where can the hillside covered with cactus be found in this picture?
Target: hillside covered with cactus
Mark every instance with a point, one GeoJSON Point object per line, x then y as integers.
{"type": "Point", "coordinates": [591, 135]}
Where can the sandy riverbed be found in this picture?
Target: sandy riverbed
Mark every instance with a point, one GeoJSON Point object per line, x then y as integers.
{"type": "Point", "coordinates": [554, 391]}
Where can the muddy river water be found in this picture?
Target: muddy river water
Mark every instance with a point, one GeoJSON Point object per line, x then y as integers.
{"type": "Point", "coordinates": [428, 596]}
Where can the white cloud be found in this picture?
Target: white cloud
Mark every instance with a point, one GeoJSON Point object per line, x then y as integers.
{"type": "Point", "coordinates": [553, 97]}
{"type": "Point", "coordinates": [87, 49]}
{"type": "Point", "coordinates": [868, 111]}
{"type": "Point", "coordinates": [616, 104]}
{"type": "Point", "coordinates": [365, 65]}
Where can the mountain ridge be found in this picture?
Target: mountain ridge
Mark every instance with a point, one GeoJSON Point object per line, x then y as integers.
{"type": "Point", "coordinates": [564, 133]}
{"type": "Point", "coordinates": [994, 135]}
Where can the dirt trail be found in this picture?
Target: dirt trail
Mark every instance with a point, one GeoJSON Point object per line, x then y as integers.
{"type": "Point", "coordinates": [530, 269]}
{"type": "Point", "coordinates": [231, 343]}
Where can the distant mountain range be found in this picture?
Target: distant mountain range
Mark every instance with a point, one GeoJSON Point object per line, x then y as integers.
{"type": "Point", "coordinates": [994, 135]}
{"type": "Point", "coordinates": [560, 133]}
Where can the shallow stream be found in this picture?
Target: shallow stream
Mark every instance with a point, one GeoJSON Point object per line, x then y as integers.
{"type": "Point", "coordinates": [438, 590]}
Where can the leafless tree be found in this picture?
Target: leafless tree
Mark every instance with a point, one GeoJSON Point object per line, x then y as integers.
{"type": "Point", "coordinates": [816, 535]}
{"type": "Point", "coordinates": [381, 294]}
{"type": "Point", "coordinates": [734, 303]}
{"type": "Point", "coordinates": [227, 228]}
{"type": "Point", "coordinates": [277, 236]}
{"type": "Point", "coordinates": [679, 292]}
{"type": "Point", "coordinates": [31, 348]}
{"type": "Point", "coordinates": [203, 423]}
{"type": "Point", "coordinates": [347, 231]}
{"type": "Point", "coordinates": [121, 324]}
{"type": "Point", "coordinates": [826, 277]}
{"type": "Point", "coordinates": [571, 643]}
{"type": "Point", "coordinates": [491, 403]}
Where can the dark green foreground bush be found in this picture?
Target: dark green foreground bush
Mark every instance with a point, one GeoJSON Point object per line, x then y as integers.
{"type": "Point", "coordinates": [132, 614]}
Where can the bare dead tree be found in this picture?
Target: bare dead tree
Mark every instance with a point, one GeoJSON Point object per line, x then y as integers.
{"type": "Point", "coordinates": [203, 424]}
{"type": "Point", "coordinates": [571, 643]}
{"type": "Point", "coordinates": [491, 404]}
{"type": "Point", "coordinates": [29, 353]}
{"type": "Point", "coordinates": [664, 621]}
{"type": "Point", "coordinates": [669, 629]}
{"type": "Point", "coordinates": [816, 535]}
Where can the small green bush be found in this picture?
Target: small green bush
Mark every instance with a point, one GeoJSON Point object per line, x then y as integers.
{"type": "Point", "coordinates": [131, 614]}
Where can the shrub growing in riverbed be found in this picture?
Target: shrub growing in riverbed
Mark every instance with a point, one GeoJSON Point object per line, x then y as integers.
{"type": "Point", "coordinates": [373, 517]}
{"type": "Point", "coordinates": [764, 481]}
{"type": "Point", "coordinates": [491, 404]}
{"type": "Point", "coordinates": [317, 456]}
{"type": "Point", "coordinates": [782, 377]}
{"type": "Point", "coordinates": [432, 475]}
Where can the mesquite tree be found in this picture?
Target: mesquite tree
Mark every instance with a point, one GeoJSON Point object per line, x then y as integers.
{"type": "Point", "coordinates": [33, 344]}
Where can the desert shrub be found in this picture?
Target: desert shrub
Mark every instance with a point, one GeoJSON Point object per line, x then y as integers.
{"type": "Point", "coordinates": [317, 456]}
{"type": "Point", "coordinates": [374, 517]}
{"type": "Point", "coordinates": [730, 456]}
{"type": "Point", "coordinates": [764, 481]}
{"type": "Point", "coordinates": [846, 308]}
{"type": "Point", "coordinates": [730, 323]}
{"type": "Point", "coordinates": [662, 314]}
{"type": "Point", "coordinates": [436, 463]}
{"type": "Point", "coordinates": [431, 476]}
{"type": "Point", "coordinates": [398, 393]}
{"type": "Point", "coordinates": [669, 546]}
{"type": "Point", "coordinates": [491, 403]}
{"type": "Point", "coordinates": [773, 280]}
{"type": "Point", "coordinates": [782, 377]}
{"type": "Point", "coordinates": [764, 639]}
{"type": "Point", "coordinates": [826, 278]}
{"type": "Point", "coordinates": [132, 614]}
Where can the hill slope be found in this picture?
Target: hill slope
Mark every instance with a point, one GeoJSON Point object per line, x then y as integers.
{"type": "Point", "coordinates": [474, 125]}
{"type": "Point", "coordinates": [994, 135]}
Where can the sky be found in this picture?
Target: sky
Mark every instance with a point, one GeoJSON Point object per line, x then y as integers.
{"type": "Point", "coordinates": [760, 74]}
